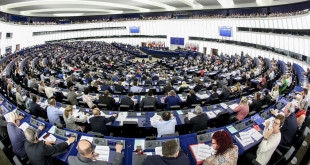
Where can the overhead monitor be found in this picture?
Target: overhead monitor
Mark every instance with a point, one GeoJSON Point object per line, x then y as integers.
{"type": "Point", "coordinates": [225, 31]}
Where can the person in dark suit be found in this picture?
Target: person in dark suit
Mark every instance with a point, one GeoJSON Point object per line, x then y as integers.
{"type": "Point", "coordinates": [199, 86]}
{"type": "Point", "coordinates": [148, 81]}
{"type": "Point", "coordinates": [120, 88]}
{"type": "Point", "coordinates": [168, 88]}
{"type": "Point", "coordinates": [172, 154]}
{"type": "Point", "coordinates": [98, 123]}
{"type": "Point", "coordinates": [148, 100]}
{"type": "Point", "coordinates": [199, 122]}
{"type": "Point", "coordinates": [214, 95]}
{"type": "Point", "coordinates": [104, 87]}
{"type": "Point", "coordinates": [172, 99]}
{"type": "Point", "coordinates": [161, 82]}
{"type": "Point", "coordinates": [267, 99]}
{"type": "Point", "coordinates": [174, 81]}
{"type": "Point", "coordinates": [289, 127]}
{"type": "Point", "coordinates": [246, 87]}
{"type": "Point", "coordinates": [256, 104]}
{"type": "Point", "coordinates": [35, 108]}
{"type": "Point", "coordinates": [3, 126]}
{"type": "Point", "coordinates": [87, 155]}
{"type": "Point", "coordinates": [40, 152]}
{"type": "Point", "coordinates": [219, 82]}
{"type": "Point", "coordinates": [107, 99]}
{"type": "Point", "coordinates": [128, 100]}
{"type": "Point", "coordinates": [191, 99]}
{"type": "Point", "coordinates": [225, 94]}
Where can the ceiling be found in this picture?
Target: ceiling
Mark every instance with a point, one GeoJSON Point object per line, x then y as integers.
{"type": "Point", "coordinates": [67, 8]}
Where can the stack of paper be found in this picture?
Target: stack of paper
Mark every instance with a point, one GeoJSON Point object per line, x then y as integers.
{"type": "Point", "coordinates": [158, 151]}
{"type": "Point", "coordinates": [233, 106]}
{"type": "Point", "coordinates": [202, 96]}
{"type": "Point", "coordinates": [104, 152]}
{"type": "Point", "coordinates": [211, 115]}
{"type": "Point", "coordinates": [245, 138]}
{"type": "Point", "coordinates": [155, 118]}
{"type": "Point", "coordinates": [256, 135]}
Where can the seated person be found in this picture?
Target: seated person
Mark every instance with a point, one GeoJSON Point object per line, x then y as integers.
{"type": "Point", "coordinates": [172, 99]}
{"type": "Point", "coordinates": [35, 108]}
{"type": "Point", "coordinates": [269, 144]}
{"type": "Point", "coordinates": [70, 120]}
{"type": "Point", "coordinates": [88, 99]}
{"type": "Point", "coordinates": [174, 81]}
{"type": "Point", "coordinates": [267, 99]}
{"type": "Point", "coordinates": [199, 86]}
{"type": "Point", "coordinates": [246, 87]}
{"type": "Point", "coordinates": [120, 88]}
{"type": "Point", "coordinates": [199, 122]}
{"type": "Point", "coordinates": [168, 88]}
{"type": "Point", "coordinates": [172, 154]}
{"type": "Point", "coordinates": [289, 128]}
{"type": "Point", "coordinates": [166, 125]}
{"type": "Point", "coordinates": [303, 104]}
{"type": "Point", "coordinates": [93, 87]}
{"type": "Point", "coordinates": [148, 100]}
{"type": "Point", "coordinates": [87, 155]}
{"type": "Point", "coordinates": [256, 104]}
{"type": "Point", "coordinates": [3, 126]}
{"type": "Point", "coordinates": [148, 81]}
{"type": "Point", "coordinates": [53, 113]}
{"type": "Point", "coordinates": [225, 94]}
{"type": "Point", "coordinates": [284, 85]}
{"type": "Point", "coordinates": [72, 96]}
{"type": "Point", "coordinates": [191, 98]}
{"type": "Point", "coordinates": [107, 99]}
{"type": "Point", "coordinates": [262, 83]}
{"type": "Point", "coordinates": [128, 101]}
{"type": "Point", "coordinates": [214, 95]}
{"type": "Point", "coordinates": [225, 150]}
{"type": "Point", "coordinates": [236, 91]}
{"type": "Point", "coordinates": [98, 123]}
{"type": "Point", "coordinates": [40, 152]}
{"type": "Point", "coordinates": [275, 93]}
{"type": "Point", "coordinates": [242, 110]}
{"type": "Point", "coordinates": [183, 87]}
{"type": "Point", "coordinates": [161, 82]}
{"type": "Point", "coordinates": [104, 87]}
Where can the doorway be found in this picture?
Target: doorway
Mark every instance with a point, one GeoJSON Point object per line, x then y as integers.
{"type": "Point", "coordinates": [143, 44]}
{"type": "Point", "coordinates": [17, 47]}
{"type": "Point", "coordinates": [214, 51]}
{"type": "Point", "coordinates": [205, 50]}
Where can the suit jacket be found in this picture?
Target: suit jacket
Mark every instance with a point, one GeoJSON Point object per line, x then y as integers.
{"type": "Point", "coordinates": [224, 95]}
{"type": "Point", "coordinates": [198, 88]}
{"type": "Point", "coordinates": [110, 101]}
{"type": "Point", "coordinates": [182, 159]}
{"type": "Point", "coordinates": [288, 130]}
{"type": "Point", "coordinates": [198, 122]}
{"type": "Point", "coordinates": [191, 99]}
{"type": "Point", "coordinates": [212, 97]}
{"type": "Point", "coordinates": [3, 129]}
{"type": "Point", "coordinates": [72, 98]}
{"type": "Point", "coordinates": [172, 100]}
{"type": "Point", "coordinates": [266, 100]}
{"type": "Point", "coordinates": [36, 109]}
{"type": "Point", "coordinates": [119, 88]}
{"type": "Point", "coordinates": [127, 101]}
{"type": "Point", "coordinates": [168, 89]}
{"type": "Point", "coordinates": [98, 124]}
{"type": "Point", "coordinates": [78, 160]}
{"type": "Point", "coordinates": [41, 154]}
{"type": "Point", "coordinates": [256, 105]}
{"type": "Point", "coordinates": [148, 100]}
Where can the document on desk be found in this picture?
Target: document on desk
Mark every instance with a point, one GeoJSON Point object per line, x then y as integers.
{"type": "Point", "coordinates": [217, 112]}
{"type": "Point", "coordinates": [256, 135]}
{"type": "Point", "coordinates": [158, 151]}
{"type": "Point", "coordinates": [104, 152]}
{"type": "Point", "coordinates": [232, 129]}
{"type": "Point", "coordinates": [224, 105]}
{"type": "Point", "coordinates": [88, 138]}
{"type": "Point", "coordinates": [210, 114]}
{"type": "Point", "coordinates": [155, 118]}
{"type": "Point", "coordinates": [24, 126]}
{"type": "Point", "coordinates": [233, 106]}
{"type": "Point", "coordinates": [50, 137]}
{"type": "Point", "coordinates": [204, 151]}
{"type": "Point", "coordinates": [191, 115]}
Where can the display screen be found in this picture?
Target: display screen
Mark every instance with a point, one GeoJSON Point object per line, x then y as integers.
{"type": "Point", "coordinates": [225, 31]}
{"type": "Point", "coordinates": [134, 29]}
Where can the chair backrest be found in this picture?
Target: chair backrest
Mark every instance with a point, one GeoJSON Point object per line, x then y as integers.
{"type": "Point", "coordinates": [16, 160]}
{"type": "Point", "coordinates": [124, 107]}
{"type": "Point", "coordinates": [169, 135]}
{"type": "Point", "coordinates": [175, 107]}
{"type": "Point", "coordinates": [289, 153]}
{"type": "Point", "coordinates": [149, 108]}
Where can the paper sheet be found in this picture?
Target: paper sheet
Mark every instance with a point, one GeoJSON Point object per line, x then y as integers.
{"type": "Point", "coordinates": [104, 152]}
{"type": "Point", "coordinates": [232, 129]}
{"type": "Point", "coordinates": [224, 105]}
{"type": "Point", "coordinates": [211, 115]}
{"type": "Point", "coordinates": [90, 139]}
{"type": "Point", "coordinates": [24, 126]}
{"type": "Point", "coordinates": [233, 106]}
{"type": "Point", "coordinates": [217, 112]}
{"type": "Point", "coordinates": [204, 151]}
{"type": "Point", "coordinates": [51, 137]}
{"type": "Point", "coordinates": [158, 151]}
{"type": "Point", "coordinates": [155, 118]}
{"type": "Point", "coordinates": [191, 115]}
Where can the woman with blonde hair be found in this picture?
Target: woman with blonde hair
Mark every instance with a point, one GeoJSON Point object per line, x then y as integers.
{"type": "Point", "coordinates": [242, 110]}
{"type": "Point", "coordinates": [275, 92]}
{"type": "Point", "coordinates": [237, 90]}
{"type": "Point", "coordinates": [70, 119]}
{"type": "Point", "coordinates": [183, 87]}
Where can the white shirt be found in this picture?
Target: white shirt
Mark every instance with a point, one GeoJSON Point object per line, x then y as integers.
{"type": "Point", "coordinates": [49, 92]}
